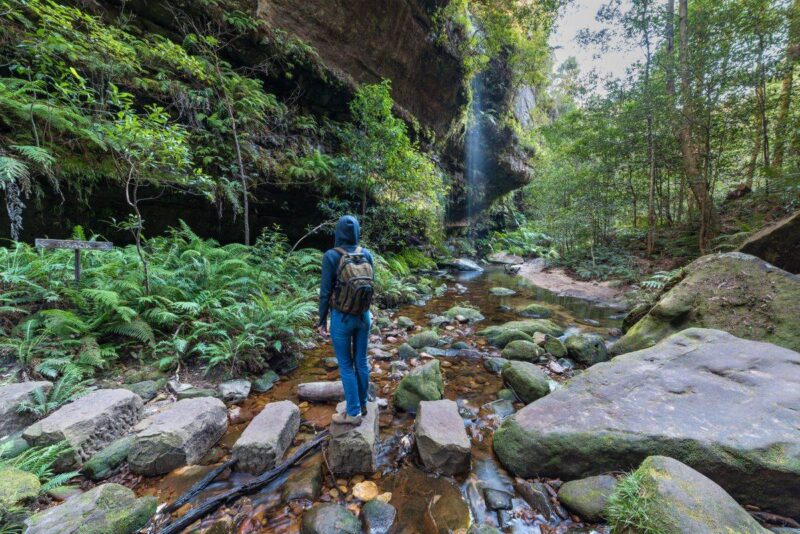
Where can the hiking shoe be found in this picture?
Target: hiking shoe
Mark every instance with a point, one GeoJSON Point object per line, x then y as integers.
{"type": "Point", "coordinates": [363, 411]}
{"type": "Point", "coordinates": [344, 419]}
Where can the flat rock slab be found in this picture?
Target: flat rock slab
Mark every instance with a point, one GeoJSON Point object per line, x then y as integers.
{"type": "Point", "coordinates": [265, 440]}
{"type": "Point", "coordinates": [180, 435]}
{"type": "Point", "coordinates": [11, 420]}
{"type": "Point", "coordinates": [88, 424]}
{"type": "Point", "coordinates": [109, 508]}
{"type": "Point", "coordinates": [321, 391]}
{"type": "Point", "coordinates": [442, 441]}
{"type": "Point", "coordinates": [676, 499]}
{"type": "Point", "coordinates": [352, 449]}
{"type": "Point", "coordinates": [726, 406]}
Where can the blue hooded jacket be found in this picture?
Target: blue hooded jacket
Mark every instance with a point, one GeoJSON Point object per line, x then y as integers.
{"type": "Point", "coordinates": [347, 238]}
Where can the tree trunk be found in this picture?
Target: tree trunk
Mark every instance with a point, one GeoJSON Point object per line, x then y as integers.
{"type": "Point", "coordinates": [792, 56]}
{"type": "Point", "coordinates": [321, 391]}
{"type": "Point", "coordinates": [695, 180]}
{"type": "Point", "coordinates": [751, 167]}
{"type": "Point", "coordinates": [651, 149]}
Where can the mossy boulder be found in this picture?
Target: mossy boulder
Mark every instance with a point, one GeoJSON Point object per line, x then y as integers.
{"type": "Point", "coordinates": [554, 347]}
{"type": "Point", "coordinates": [422, 383]}
{"type": "Point", "coordinates": [526, 351]}
{"type": "Point", "coordinates": [265, 382]}
{"type": "Point", "coordinates": [734, 292]}
{"type": "Point", "coordinates": [720, 404]}
{"type": "Point", "coordinates": [528, 381]}
{"type": "Point", "coordinates": [665, 496]}
{"type": "Point", "coordinates": [103, 464]}
{"type": "Point", "coordinates": [427, 338]}
{"type": "Point", "coordinates": [527, 326]}
{"type": "Point", "coordinates": [536, 311]}
{"type": "Point", "coordinates": [587, 497]}
{"type": "Point", "coordinates": [330, 519]}
{"type": "Point", "coordinates": [471, 315]}
{"type": "Point", "coordinates": [146, 389]}
{"type": "Point", "coordinates": [17, 486]}
{"type": "Point", "coordinates": [587, 349]}
{"type": "Point", "coordinates": [495, 365]}
{"type": "Point", "coordinates": [405, 322]}
{"type": "Point", "coordinates": [105, 509]}
{"type": "Point", "coordinates": [502, 291]}
{"type": "Point", "coordinates": [503, 338]}
{"type": "Point", "coordinates": [406, 352]}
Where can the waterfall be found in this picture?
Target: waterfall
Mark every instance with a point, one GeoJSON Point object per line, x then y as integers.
{"type": "Point", "coordinates": [475, 151]}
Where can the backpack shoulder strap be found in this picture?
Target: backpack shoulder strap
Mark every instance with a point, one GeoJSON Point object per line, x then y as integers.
{"type": "Point", "coordinates": [358, 250]}
{"type": "Point", "coordinates": [341, 251]}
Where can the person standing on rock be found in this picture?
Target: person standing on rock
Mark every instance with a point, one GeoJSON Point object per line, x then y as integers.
{"type": "Point", "coordinates": [347, 288]}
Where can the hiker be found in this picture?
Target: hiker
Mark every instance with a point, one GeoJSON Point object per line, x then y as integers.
{"type": "Point", "coordinates": [347, 289]}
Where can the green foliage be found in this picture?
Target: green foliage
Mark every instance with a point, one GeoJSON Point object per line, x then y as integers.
{"type": "Point", "coordinates": [628, 507]}
{"type": "Point", "coordinates": [66, 389]}
{"type": "Point", "coordinates": [399, 189]}
{"type": "Point", "coordinates": [40, 461]}
{"type": "Point", "coordinates": [663, 279]}
{"type": "Point", "coordinates": [232, 306]}
{"type": "Point", "coordinates": [523, 242]}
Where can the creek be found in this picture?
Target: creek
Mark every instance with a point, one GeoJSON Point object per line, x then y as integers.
{"type": "Point", "coordinates": [425, 503]}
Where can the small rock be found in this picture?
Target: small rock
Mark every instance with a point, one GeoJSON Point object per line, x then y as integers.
{"type": "Point", "coordinates": [14, 445]}
{"type": "Point", "coordinates": [265, 383]}
{"type": "Point", "coordinates": [495, 365]}
{"type": "Point", "coordinates": [147, 389]}
{"type": "Point", "coordinates": [406, 352]}
{"type": "Point", "coordinates": [405, 322]}
{"type": "Point", "coordinates": [502, 408]}
{"type": "Point", "coordinates": [537, 496]}
{"type": "Point", "coordinates": [588, 497]}
{"type": "Point", "coordinates": [526, 380]}
{"type": "Point", "coordinates": [587, 349]}
{"type": "Point", "coordinates": [384, 497]}
{"type": "Point", "coordinates": [330, 363]}
{"type": "Point", "coordinates": [103, 464]}
{"type": "Point", "coordinates": [378, 517]}
{"type": "Point", "coordinates": [502, 292]}
{"type": "Point", "coordinates": [463, 264]}
{"type": "Point", "coordinates": [497, 499]}
{"type": "Point", "coordinates": [439, 321]}
{"type": "Point", "coordinates": [508, 336]}
{"type": "Point", "coordinates": [536, 311]}
{"type": "Point", "coordinates": [522, 350]}
{"type": "Point", "coordinates": [484, 529]}
{"type": "Point", "coordinates": [555, 367]}
{"type": "Point", "coordinates": [17, 487]}
{"type": "Point", "coordinates": [11, 396]}
{"type": "Point", "coordinates": [330, 519]}
{"type": "Point", "coordinates": [196, 393]}
{"type": "Point", "coordinates": [235, 391]}
{"type": "Point", "coordinates": [506, 394]}
{"type": "Point", "coordinates": [554, 347]}
{"type": "Point", "coordinates": [464, 314]}
{"type": "Point", "coordinates": [427, 338]}
{"type": "Point", "coordinates": [566, 363]}
{"type": "Point", "coordinates": [306, 483]}
{"type": "Point", "coordinates": [365, 491]}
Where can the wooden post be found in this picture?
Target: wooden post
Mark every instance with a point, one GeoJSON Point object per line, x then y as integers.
{"type": "Point", "coordinates": [77, 246]}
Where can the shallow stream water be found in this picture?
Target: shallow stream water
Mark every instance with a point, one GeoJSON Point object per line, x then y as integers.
{"type": "Point", "coordinates": [425, 503]}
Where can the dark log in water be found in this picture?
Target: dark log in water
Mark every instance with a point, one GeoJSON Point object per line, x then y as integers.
{"type": "Point", "coordinates": [199, 486]}
{"type": "Point", "coordinates": [244, 489]}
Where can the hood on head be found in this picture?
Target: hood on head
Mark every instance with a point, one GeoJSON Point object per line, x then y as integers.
{"type": "Point", "coordinates": [346, 231]}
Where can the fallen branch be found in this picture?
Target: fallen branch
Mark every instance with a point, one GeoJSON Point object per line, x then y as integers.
{"type": "Point", "coordinates": [199, 486]}
{"type": "Point", "coordinates": [244, 489]}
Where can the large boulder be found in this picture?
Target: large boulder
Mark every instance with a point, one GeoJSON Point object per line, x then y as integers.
{"type": "Point", "coordinates": [442, 441]}
{"type": "Point", "coordinates": [330, 519]}
{"type": "Point", "coordinates": [353, 448]}
{"type": "Point", "coordinates": [11, 396]}
{"type": "Point", "coordinates": [463, 264]}
{"type": "Point", "coordinates": [504, 258]}
{"type": "Point", "coordinates": [422, 383]}
{"type": "Point", "coordinates": [668, 497]}
{"type": "Point", "coordinates": [726, 406]}
{"type": "Point", "coordinates": [178, 436]}
{"type": "Point", "coordinates": [88, 424]}
{"type": "Point", "coordinates": [587, 349]}
{"type": "Point", "coordinates": [778, 243]}
{"type": "Point", "coordinates": [734, 292]}
{"type": "Point", "coordinates": [267, 437]}
{"type": "Point", "coordinates": [527, 380]}
{"type": "Point", "coordinates": [105, 509]}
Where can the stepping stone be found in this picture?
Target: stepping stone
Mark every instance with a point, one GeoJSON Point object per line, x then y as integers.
{"type": "Point", "coordinates": [265, 440]}
{"type": "Point", "coordinates": [352, 449]}
{"type": "Point", "coordinates": [727, 407]}
{"type": "Point", "coordinates": [378, 517]}
{"type": "Point", "coordinates": [321, 391]}
{"type": "Point", "coordinates": [180, 435]}
{"type": "Point", "coordinates": [235, 391]}
{"type": "Point", "coordinates": [88, 424]}
{"type": "Point", "coordinates": [11, 420]}
{"type": "Point", "coordinates": [109, 508]}
{"type": "Point", "coordinates": [587, 349]}
{"type": "Point", "coordinates": [528, 381]}
{"type": "Point", "coordinates": [428, 338]}
{"type": "Point", "coordinates": [442, 441]}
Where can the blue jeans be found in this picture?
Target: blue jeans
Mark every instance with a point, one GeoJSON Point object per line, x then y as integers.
{"type": "Point", "coordinates": [350, 334]}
